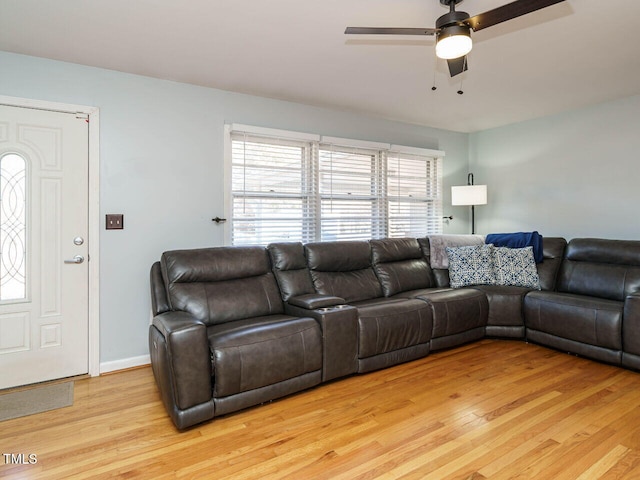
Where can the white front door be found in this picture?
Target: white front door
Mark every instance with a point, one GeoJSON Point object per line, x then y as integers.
{"type": "Point", "coordinates": [44, 320]}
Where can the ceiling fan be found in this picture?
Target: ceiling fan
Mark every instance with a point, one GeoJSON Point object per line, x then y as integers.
{"type": "Point", "coordinates": [453, 29]}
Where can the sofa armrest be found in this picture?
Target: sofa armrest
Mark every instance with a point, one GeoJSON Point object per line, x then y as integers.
{"type": "Point", "coordinates": [159, 299]}
{"type": "Point", "coordinates": [312, 301]}
{"type": "Point", "coordinates": [339, 325]}
{"type": "Point", "coordinates": [181, 364]}
{"type": "Point", "coordinates": [631, 324]}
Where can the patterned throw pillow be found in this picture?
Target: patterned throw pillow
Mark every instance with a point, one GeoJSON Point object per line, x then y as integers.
{"type": "Point", "coordinates": [516, 267]}
{"type": "Point", "coordinates": [472, 265]}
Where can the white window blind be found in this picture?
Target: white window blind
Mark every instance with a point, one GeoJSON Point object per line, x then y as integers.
{"type": "Point", "coordinates": [270, 196]}
{"type": "Point", "coordinates": [350, 194]}
{"type": "Point", "coordinates": [287, 188]}
{"type": "Point", "coordinates": [414, 195]}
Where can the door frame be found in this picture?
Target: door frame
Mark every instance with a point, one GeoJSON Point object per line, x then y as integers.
{"type": "Point", "coordinates": [93, 114]}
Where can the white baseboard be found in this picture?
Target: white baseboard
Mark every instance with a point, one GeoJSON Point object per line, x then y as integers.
{"type": "Point", "coordinates": [106, 367]}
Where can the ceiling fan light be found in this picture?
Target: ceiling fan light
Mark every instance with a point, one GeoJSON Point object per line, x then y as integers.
{"type": "Point", "coordinates": [453, 42]}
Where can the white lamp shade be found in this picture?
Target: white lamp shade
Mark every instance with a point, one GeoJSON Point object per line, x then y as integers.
{"type": "Point", "coordinates": [469, 195]}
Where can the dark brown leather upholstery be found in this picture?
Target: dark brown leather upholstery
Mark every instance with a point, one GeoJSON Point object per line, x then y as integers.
{"type": "Point", "coordinates": [459, 316]}
{"type": "Point", "coordinates": [343, 269]}
{"type": "Point", "coordinates": [180, 360]}
{"type": "Point", "coordinates": [205, 283]}
{"type": "Point", "coordinates": [553, 251]}
{"type": "Point", "coordinates": [400, 266]}
{"type": "Point", "coordinates": [403, 272]}
{"type": "Point", "coordinates": [237, 326]}
{"type": "Point", "coordinates": [339, 325]}
{"type": "Point", "coordinates": [631, 332]}
{"type": "Point", "coordinates": [506, 314]}
{"type": "Point", "coordinates": [601, 268]}
{"type": "Point", "coordinates": [390, 325]}
{"type": "Point", "coordinates": [290, 267]}
{"type": "Point", "coordinates": [227, 343]}
{"type": "Point", "coordinates": [585, 319]}
{"type": "Point", "coordinates": [159, 300]}
{"type": "Point", "coordinates": [262, 352]}
{"type": "Point", "coordinates": [338, 322]}
{"type": "Point", "coordinates": [586, 314]}
{"type": "Point", "coordinates": [389, 330]}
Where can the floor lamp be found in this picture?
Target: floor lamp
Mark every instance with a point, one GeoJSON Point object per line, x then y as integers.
{"type": "Point", "coordinates": [469, 194]}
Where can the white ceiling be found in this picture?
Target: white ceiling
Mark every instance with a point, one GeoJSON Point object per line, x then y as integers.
{"type": "Point", "coordinates": [572, 54]}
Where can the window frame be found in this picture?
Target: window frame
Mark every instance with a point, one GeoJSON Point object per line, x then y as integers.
{"type": "Point", "coordinates": [317, 143]}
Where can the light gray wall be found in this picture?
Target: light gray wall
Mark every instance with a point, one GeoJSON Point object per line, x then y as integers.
{"type": "Point", "coordinates": [575, 174]}
{"type": "Point", "coordinates": [161, 153]}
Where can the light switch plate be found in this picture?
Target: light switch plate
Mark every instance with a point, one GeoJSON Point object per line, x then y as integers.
{"type": "Point", "coordinates": [115, 221]}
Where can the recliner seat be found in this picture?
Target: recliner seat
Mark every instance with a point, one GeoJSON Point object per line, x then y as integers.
{"type": "Point", "coordinates": [585, 315]}
{"type": "Point", "coordinates": [459, 316]}
{"type": "Point", "coordinates": [390, 331]}
{"type": "Point", "coordinates": [229, 303]}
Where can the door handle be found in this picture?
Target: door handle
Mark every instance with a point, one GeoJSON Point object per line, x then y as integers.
{"type": "Point", "coordinates": [76, 259]}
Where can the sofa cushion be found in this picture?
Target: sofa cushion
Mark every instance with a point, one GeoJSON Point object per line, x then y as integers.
{"type": "Point", "coordinates": [456, 311]}
{"type": "Point", "coordinates": [400, 266]}
{"type": "Point", "coordinates": [505, 304]}
{"type": "Point", "coordinates": [588, 320]}
{"type": "Point", "coordinates": [257, 352]}
{"type": "Point", "coordinates": [352, 286]}
{"type": "Point", "coordinates": [343, 269]}
{"type": "Point", "coordinates": [515, 267]}
{"type": "Point", "coordinates": [221, 284]}
{"type": "Point", "coordinates": [385, 250]}
{"type": "Point", "coordinates": [287, 256]}
{"type": "Point", "coordinates": [386, 325]}
{"type": "Point", "coordinates": [219, 302]}
{"type": "Point", "coordinates": [601, 268]}
{"type": "Point", "coordinates": [213, 264]}
{"type": "Point", "coordinates": [338, 256]}
{"type": "Point", "coordinates": [471, 265]}
{"type": "Point", "coordinates": [290, 268]}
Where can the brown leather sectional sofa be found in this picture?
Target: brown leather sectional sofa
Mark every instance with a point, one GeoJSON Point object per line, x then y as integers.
{"type": "Point", "coordinates": [238, 326]}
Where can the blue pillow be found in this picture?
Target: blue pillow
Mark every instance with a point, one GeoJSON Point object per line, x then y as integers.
{"type": "Point", "coordinates": [471, 265]}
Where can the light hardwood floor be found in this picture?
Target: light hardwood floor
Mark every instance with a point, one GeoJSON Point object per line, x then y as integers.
{"type": "Point", "coordinates": [492, 409]}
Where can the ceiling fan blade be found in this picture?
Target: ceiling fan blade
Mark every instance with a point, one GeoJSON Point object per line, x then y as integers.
{"type": "Point", "coordinates": [457, 65]}
{"type": "Point", "coordinates": [389, 31]}
{"type": "Point", "coordinates": [507, 12]}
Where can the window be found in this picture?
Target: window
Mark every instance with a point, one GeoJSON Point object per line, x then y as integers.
{"type": "Point", "coordinates": [351, 200]}
{"type": "Point", "coordinates": [414, 195]}
{"type": "Point", "coordinates": [270, 191]}
{"type": "Point", "coordinates": [289, 187]}
{"type": "Point", "coordinates": [13, 221]}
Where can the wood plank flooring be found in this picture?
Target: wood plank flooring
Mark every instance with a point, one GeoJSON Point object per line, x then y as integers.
{"type": "Point", "coordinates": [494, 409]}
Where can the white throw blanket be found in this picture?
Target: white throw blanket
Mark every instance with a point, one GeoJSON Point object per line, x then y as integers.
{"type": "Point", "coordinates": [438, 244]}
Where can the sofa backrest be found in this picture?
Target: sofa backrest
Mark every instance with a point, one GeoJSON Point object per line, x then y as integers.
{"type": "Point", "coordinates": [601, 268]}
{"type": "Point", "coordinates": [290, 268]}
{"type": "Point", "coordinates": [553, 249]}
{"type": "Point", "coordinates": [400, 265]}
{"type": "Point", "coordinates": [221, 284]}
{"type": "Point", "coordinates": [343, 269]}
